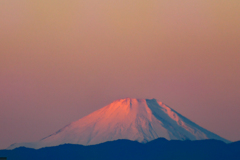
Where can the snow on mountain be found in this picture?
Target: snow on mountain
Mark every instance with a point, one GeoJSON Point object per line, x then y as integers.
{"type": "Point", "coordinates": [139, 120]}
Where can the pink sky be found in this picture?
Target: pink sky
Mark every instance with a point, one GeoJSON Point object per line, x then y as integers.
{"type": "Point", "coordinates": [60, 61]}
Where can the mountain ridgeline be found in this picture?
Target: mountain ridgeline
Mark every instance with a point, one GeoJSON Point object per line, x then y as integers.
{"type": "Point", "coordinates": [128, 150]}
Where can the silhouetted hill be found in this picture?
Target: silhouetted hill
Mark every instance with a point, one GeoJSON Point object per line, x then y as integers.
{"type": "Point", "coordinates": [125, 149]}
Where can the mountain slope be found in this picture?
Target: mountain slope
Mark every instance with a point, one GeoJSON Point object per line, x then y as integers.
{"type": "Point", "coordinates": [139, 120]}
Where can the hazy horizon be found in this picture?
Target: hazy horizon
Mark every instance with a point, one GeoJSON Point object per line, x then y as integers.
{"type": "Point", "coordinates": [60, 61]}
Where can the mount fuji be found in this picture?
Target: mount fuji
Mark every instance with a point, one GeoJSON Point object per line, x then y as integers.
{"type": "Point", "coordinates": [141, 120]}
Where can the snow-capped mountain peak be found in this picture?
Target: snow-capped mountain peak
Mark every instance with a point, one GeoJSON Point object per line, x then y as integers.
{"type": "Point", "coordinates": [139, 120]}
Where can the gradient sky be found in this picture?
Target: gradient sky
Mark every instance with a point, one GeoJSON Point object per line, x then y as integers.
{"type": "Point", "coordinates": [61, 60]}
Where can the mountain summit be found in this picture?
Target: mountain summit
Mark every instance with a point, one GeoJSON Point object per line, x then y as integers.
{"type": "Point", "coordinates": [139, 120]}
